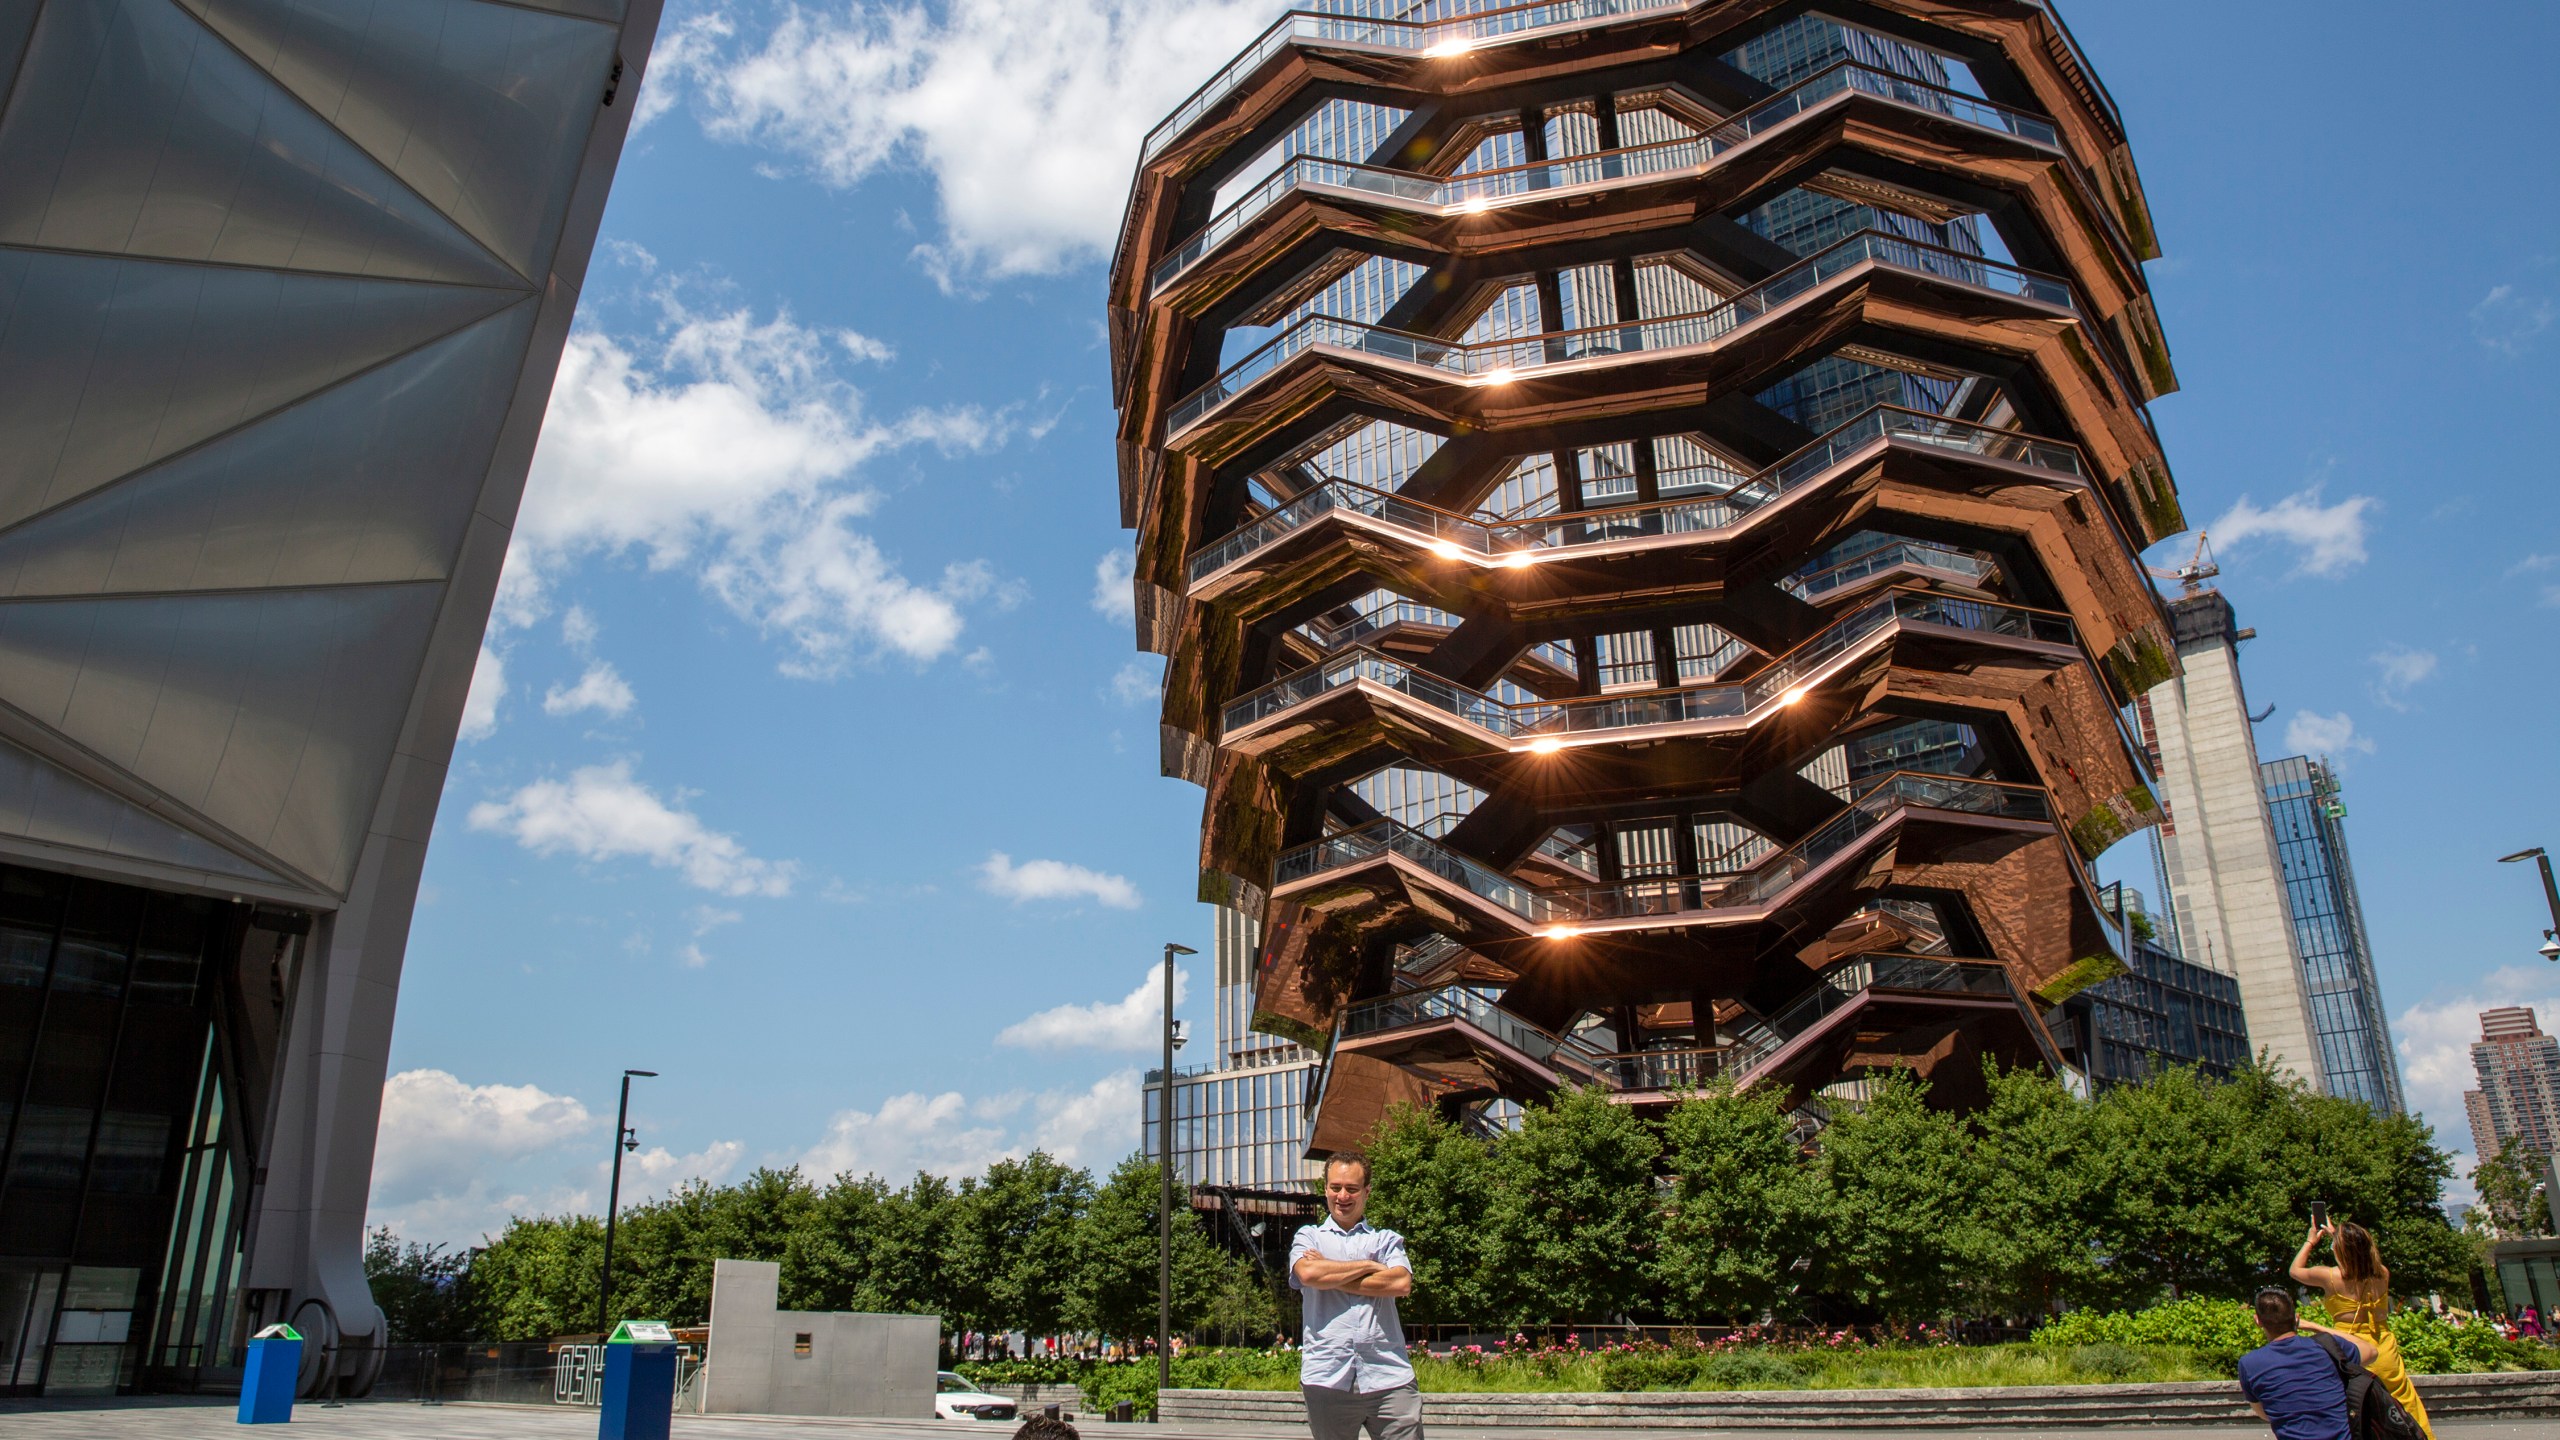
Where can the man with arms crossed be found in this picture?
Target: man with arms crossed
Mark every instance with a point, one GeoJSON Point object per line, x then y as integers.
{"type": "Point", "coordinates": [2292, 1381]}
{"type": "Point", "coordinates": [1352, 1367]}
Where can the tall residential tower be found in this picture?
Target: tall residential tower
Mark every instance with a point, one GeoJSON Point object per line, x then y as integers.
{"type": "Point", "coordinates": [1642, 502]}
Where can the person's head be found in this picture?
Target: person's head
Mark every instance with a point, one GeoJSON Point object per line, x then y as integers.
{"type": "Point", "coordinates": [1043, 1427]}
{"type": "Point", "coordinates": [1346, 1188]}
{"type": "Point", "coordinates": [2275, 1312]}
{"type": "Point", "coordinates": [2358, 1261]}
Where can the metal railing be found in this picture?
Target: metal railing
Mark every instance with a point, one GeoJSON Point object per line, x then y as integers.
{"type": "Point", "coordinates": [1783, 681]}
{"type": "Point", "coordinates": [1655, 896]}
{"type": "Point", "coordinates": [1347, 27]}
{"type": "Point", "coordinates": [1481, 190]}
{"type": "Point", "coordinates": [1501, 359]}
{"type": "Point", "coordinates": [1476, 1007]}
{"type": "Point", "coordinates": [1917, 554]}
{"type": "Point", "coordinates": [1492, 541]}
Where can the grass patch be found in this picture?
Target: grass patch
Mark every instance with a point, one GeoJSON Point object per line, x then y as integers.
{"type": "Point", "coordinates": [1877, 1367]}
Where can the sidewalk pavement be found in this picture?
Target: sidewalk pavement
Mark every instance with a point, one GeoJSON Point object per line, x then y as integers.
{"type": "Point", "coordinates": [179, 1419]}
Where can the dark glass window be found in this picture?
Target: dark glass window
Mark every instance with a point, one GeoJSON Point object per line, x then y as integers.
{"type": "Point", "coordinates": [166, 964]}
{"type": "Point", "coordinates": [97, 940]}
{"type": "Point", "coordinates": [53, 1140]}
{"type": "Point", "coordinates": [129, 1153]}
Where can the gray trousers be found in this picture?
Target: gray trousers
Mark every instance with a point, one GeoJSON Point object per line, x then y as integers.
{"type": "Point", "coordinates": [1338, 1414]}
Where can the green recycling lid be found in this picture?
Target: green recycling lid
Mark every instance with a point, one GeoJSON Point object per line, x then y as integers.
{"type": "Point", "coordinates": [641, 1332]}
{"type": "Point", "coordinates": [278, 1331]}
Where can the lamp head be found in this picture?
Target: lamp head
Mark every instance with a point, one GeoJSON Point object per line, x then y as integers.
{"type": "Point", "coordinates": [643, 1074]}
{"type": "Point", "coordinates": [2520, 855]}
{"type": "Point", "coordinates": [2549, 949]}
{"type": "Point", "coordinates": [1171, 949]}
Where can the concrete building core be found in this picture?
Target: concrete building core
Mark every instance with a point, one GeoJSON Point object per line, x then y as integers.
{"type": "Point", "coordinates": [2218, 846]}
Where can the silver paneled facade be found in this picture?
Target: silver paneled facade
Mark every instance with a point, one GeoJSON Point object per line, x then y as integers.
{"type": "Point", "coordinates": [283, 288]}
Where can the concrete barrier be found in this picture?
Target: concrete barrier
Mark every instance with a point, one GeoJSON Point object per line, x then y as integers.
{"type": "Point", "coordinates": [2206, 1402]}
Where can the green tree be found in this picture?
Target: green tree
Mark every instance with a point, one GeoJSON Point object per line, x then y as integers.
{"type": "Point", "coordinates": [1112, 1282]}
{"type": "Point", "coordinates": [1574, 1216]}
{"type": "Point", "coordinates": [2512, 1194]}
{"type": "Point", "coordinates": [1905, 1234]}
{"type": "Point", "coordinates": [663, 1251]}
{"type": "Point", "coordinates": [1012, 1243]}
{"type": "Point", "coordinates": [2193, 1205]}
{"type": "Point", "coordinates": [537, 1280]}
{"type": "Point", "coordinates": [1744, 1208]}
{"type": "Point", "coordinates": [419, 1287]}
{"type": "Point", "coordinates": [1434, 1184]}
{"type": "Point", "coordinates": [2042, 1187]}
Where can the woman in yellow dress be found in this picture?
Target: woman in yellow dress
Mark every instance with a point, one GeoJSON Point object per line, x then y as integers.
{"type": "Point", "coordinates": [2358, 1291]}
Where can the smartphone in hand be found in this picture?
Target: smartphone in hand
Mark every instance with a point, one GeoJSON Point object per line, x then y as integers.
{"type": "Point", "coordinates": [2319, 1212]}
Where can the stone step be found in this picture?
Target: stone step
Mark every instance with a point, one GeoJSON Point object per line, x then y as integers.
{"type": "Point", "coordinates": [2207, 1402]}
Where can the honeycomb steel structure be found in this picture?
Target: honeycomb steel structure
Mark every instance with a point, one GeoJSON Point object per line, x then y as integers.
{"type": "Point", "coordinates": [1642, 502]}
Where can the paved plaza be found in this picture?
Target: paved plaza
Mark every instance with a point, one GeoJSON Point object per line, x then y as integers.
{"type": "Point", "coordinates": [162, 1419]}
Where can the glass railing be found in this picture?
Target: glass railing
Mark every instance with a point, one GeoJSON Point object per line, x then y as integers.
{"type": "Point", "coordinates": [1336, 635]}
{"type": "Point", "coordinates": [1878, 424]}
{"type": "Point", "coordinates": [1666, 895]}
{"type": "Point", "coordinates": [1483, 188]}
{"type": "Point", "coordinates": [1499, 360]}
{"type": "Point", "coordinates": [1845, 983]}
{"type": "Point", "coordinates": [1346, 27]}
{"type": "Point", "coordinates": [1477, 1008]}
{"type": "Point", "coordinates": [1972, 569]}
{"type": "Point", "coordinates": [1662, 1069]}
{"type": "Point", "coordinates": [1778, 682]}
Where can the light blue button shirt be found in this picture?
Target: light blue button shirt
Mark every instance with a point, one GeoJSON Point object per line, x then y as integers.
{"type": "Point", "coordinates": [1353, 1342]}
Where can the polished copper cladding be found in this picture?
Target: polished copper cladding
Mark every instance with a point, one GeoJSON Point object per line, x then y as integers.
{"type": "Point", "coordinates": [1642, 505]}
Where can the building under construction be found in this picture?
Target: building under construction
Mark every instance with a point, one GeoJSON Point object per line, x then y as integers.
{"type": "Point", "coordinates": [1643, 504]}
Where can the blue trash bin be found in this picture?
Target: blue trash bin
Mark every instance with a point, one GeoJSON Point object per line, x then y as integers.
{"type": "Point", "coordinates": [639, 1382]}
{"type": "Point", "coordinates": [266, 1389]}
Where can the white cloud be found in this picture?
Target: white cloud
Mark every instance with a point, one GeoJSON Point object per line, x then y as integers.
{"type": "Point", "coordinates": [438, 1131]}
{"type": "Point", "coordinates": [601, 813]}
{"type": "Point", "coordinates": [2403, 669]}
{"type": "Point", "coordinates": [578, 629]}
{"type": "Point", "coordinates": [2330, 537]}
{"type": "Point", "coordinates": [1053, 880]}
{"type": "Point", "coordinates": [950, 1134]}
{"type": "Point", "coordinates": [1137, 682]}
{"type": "Point", "coordinates": [1112, 592]}
{"type": "Point", "coordinates": [488, 691]}
{"type": "Point", "coordinates": [2508, 320]}
{"type": "Point", "coordinates": [654, 1171]}
{"type": "Point", "coordinates": [1026, 114]}
{"type": "Point", "coordinates": [601, 688]}
{"type": "Point", "coordinates": [727, 446]}
{"type": "Point", "coordinates": [1133, 1022]}
{"type": "Point", "coordinates": [706, 919]}
{"type": "Point", "coordinates": [2312, 733]}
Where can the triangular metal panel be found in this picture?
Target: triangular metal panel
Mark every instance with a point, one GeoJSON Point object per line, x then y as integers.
{"type": "Point", "coordinates": [108, 365]}
{"type": "Point", "coordinates": [42, 802]}
{"type": "Point", "coordinates": [136, 132]}
{"type": "Point", "coordinates": [484, 109]}
{"type": "Point", "coordinates": [271, 713]}
{"type": "Point", "coordinates": [371, 481]}
{"type": "Point", "coordinates": [608, 11]}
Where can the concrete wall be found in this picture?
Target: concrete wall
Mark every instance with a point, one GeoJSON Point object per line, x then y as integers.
{"type": "Point", "coordinates": [2219, 846]}
{"type": "Point", "coordinates": [856, 1365]}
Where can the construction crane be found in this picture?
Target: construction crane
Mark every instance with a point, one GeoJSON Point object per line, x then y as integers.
{"type": "Point", "coordinates": [2192, 575]}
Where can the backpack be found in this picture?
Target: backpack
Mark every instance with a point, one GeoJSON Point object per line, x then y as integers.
{"type": "Point", "coordinates": [2372, 1413]}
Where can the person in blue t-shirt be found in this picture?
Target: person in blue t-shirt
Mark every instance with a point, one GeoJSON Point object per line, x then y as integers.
{"type": "Point", "coordinates": [2293, 1381]}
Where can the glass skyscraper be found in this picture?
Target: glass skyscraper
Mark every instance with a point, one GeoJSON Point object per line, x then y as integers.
{"type": "Point", "coordinates": [2338, 983]}
{"type": "Point", "coordinates": [1239, 1120]}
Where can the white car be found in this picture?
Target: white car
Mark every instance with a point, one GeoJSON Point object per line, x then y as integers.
{"type": "Point", "coordinates": [957, 1399]}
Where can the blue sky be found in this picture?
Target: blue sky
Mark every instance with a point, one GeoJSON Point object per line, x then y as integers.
{"type": "Point", "coordinates": [811, 764]}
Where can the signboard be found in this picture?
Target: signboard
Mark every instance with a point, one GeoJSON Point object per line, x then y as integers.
{"type": "Point", "coordinates": [642, 1332]}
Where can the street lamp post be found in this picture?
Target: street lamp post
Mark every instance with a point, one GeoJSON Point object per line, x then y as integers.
{"type": "Point", "coordinates": [2550, 947]}
{"type": "Point", "coordinates": [623, 1140]}
{"type": "Point", "coordinates": [1164, 1204]}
